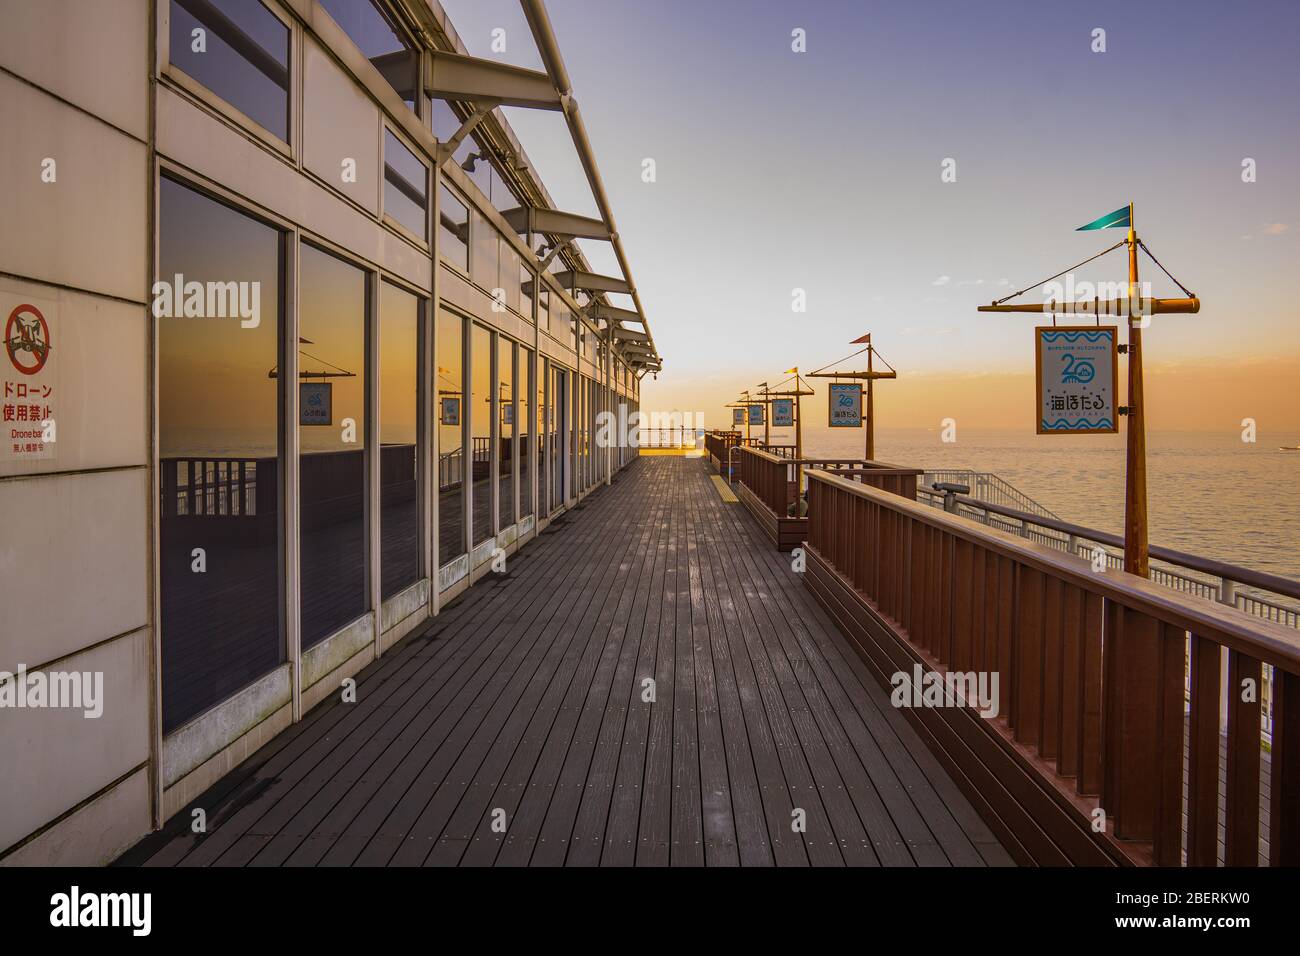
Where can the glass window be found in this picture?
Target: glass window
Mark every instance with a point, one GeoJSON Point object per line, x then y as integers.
{"type": "Point", "coordinates": [558, 414]}
{"type": "Point", "coordinates": [502, 196]}
{"type": "Point", "coordinates": [332, 441]}
{"type": "Point", "coordinates": [544, 309]}
{"type": "Point", "coordinates": [399, 387]}
{"type": "Point", "coordinates": [380, 41]}
{"type": "Point", "coordinates": [453, 230]}
{"type": "Point", "coordinates": [509, 274]}
{"type": "Point", "coordinates": [486, 252]}
{"type": "Point", "coordinates": [480, 411]}
{"type": "Point", "coordinates": [241, 54]}
{"type": "Point", "coordinates": [539, 427]}
{"type": "Point", "coordinates": [506, 430]}
{"type": "Point", "coordinates": [219, 521]}
{"type": "Point", "coordinates": [443, 120]}
{"type": "Point", "coordinates": [525, 291]}
{"type": "Point", "coordinates": [406, 196]}
{"type": "Point", "coordinates": [527, 433]}
{"type": "Point", "coordinates": [451, 425]}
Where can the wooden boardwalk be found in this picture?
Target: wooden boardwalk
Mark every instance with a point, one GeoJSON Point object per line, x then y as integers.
{"type": "Point", "coordinates": [526, 702]}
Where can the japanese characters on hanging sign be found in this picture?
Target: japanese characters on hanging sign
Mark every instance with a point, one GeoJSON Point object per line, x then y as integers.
{"type": "Point", "coordinates": [845, 405]}
{"type": "Point", "coordinates": [451, 411]}
{"type": "Point", "coordinates": [756, 414]}
{"type": "Point", "coordinates": [737, 416]}
{"type": "Point", "coordinates": [1076, 371]}
{"type": "Point", "coordinates": [783, 412]}
{"type": "Point", "coordinates": [316, 404]}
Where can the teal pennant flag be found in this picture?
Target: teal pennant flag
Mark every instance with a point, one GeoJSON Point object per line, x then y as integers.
{"type": "Point", "coordinates": [1119, 219]}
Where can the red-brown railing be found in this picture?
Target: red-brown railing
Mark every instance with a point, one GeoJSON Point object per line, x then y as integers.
{"type": "Point", "coordinates": [774, 476]}
{"type": "Point", "coordinates": [769, 477]}
{"type": "Point", "coordinates": [717, 445]}
{"type": "Point", "coordinates": [1092, 668]}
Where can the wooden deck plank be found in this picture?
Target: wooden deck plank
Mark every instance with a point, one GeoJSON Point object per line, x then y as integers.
{"type": "Point", "coordinates": [557, 784]}
{"type": "Point", "coordinates": [579, 840]}
{"type": "Point", "coordinates": [836, 707]}
{"type": "Point", "coordinates": [525, 695]}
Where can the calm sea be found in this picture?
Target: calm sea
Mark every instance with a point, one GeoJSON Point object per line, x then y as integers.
{"type": "Point", "coordinates": [1208, 494]}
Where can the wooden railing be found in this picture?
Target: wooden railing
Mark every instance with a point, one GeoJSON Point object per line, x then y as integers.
{"type": "Point", "coordinates": [1085, 760]}
{"type": "Point", "coordinates": [769, 477]}
{"type": "Point", "coordinates": [717, 446]}
{"type": "Point", "coordinates": [1256, 592]}
{"type": "Point", "coordinates": [217, 487]}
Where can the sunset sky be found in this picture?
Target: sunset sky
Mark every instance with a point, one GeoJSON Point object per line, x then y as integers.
{"type": "Point", "coordinates": [820, 170]}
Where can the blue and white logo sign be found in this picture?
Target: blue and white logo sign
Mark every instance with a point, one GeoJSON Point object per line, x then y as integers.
{"type": "Point", "coordinates": [450, 411]}
{"type": "Point", "coordinates": [756, 414]}
{"type": "Point", "coordinates": [315, 403]}
{"type": "Point", "coordinates": [783, 412]}
{"type": "Point", "coordinates": [737, 416]}
{"type": "Point", "coordinates": [1076, 371]}
{"type": "Point", "coordinates": [845, 405]}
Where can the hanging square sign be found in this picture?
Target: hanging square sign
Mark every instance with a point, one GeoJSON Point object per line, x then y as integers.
{"type": "Point", "coordinates": [845, 405]}
{"type": "Point", "coordinates": [315, 403]}
{"type": "Point", "coordinates": [783, 412]}
{"type": "Point", "coordinates": [450, 412]}
{"type": "Point", "coordinates": [1076, 370]}
{"type": "Point", "coordinates": [756, 414]}
{"type": "Point", "coordinates": [737, 416]}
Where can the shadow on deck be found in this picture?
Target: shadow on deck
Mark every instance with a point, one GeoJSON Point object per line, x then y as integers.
{"type": "Point", "coordinates": [524, 704]}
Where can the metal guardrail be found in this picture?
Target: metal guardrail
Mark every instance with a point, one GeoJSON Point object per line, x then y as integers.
{"type": "Point", "coordinates": [682, 436]}
{"type": "Point", "coordinates": [987, 486]}
{"type": "Point", "coordinates": [1268, 596]}
{"type": "Point", "coordinates": [1118, 692]}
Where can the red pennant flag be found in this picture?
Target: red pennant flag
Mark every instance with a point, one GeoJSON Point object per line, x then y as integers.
{"type": "Point", "coordinates": [864, 340]}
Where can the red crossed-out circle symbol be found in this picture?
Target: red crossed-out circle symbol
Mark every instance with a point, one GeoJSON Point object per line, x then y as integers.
{"type": "Point", "coordinates": [27, 333]}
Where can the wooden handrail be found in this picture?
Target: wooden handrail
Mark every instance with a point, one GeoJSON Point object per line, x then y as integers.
{"type": "Point", "coordinates": [1219, 569]}
{"type": "Point", "coordinates": [1103, 673]}
{"type": "Point", "coordinates": [1271, 643]}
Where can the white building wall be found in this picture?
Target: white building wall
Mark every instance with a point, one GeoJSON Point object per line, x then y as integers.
{"type": "Point", "coordinates": [75, 527]}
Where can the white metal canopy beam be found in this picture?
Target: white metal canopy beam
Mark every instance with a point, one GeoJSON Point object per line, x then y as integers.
{"type": "Point", "coordinates": [574, 279]}
{"type": "Point", "coordinates": [566, 224]}
{"type": "Point", "coordinates": [451, 76]}
{"type": "Point", "coordinates": [614, 314]}
{"type": "Point", "coordinates": [548, 47]}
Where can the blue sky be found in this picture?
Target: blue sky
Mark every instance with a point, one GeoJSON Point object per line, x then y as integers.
{"type": "Point", "coordinates": [821, 170]}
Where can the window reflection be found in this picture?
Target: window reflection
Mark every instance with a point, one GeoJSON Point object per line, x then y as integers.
{"type": "Point", "coordinates": [331, 433]}
{"type": "Point", "coordinates": [380, 41]}
{"type": "Point", "coordinates": [485, 253]}
{"type": "Point", "coordinates": [221, 580]}
{"type": "Point", "coordinates": [543, 440]}
{"type": "Point", "coordinates": [555, 438]}
{"type": "Point", "coordinates": [406, 196]}
{"type": "Point", "coordinates": [525, 290]}
{"type": "Point", "coordinates": [451, 458]}
{"type": "Point", "coordinates": [399, 522]}
{"type": "Point", "coordinates": [527, 432]}
{"type": "Point", "coordinates": [506, 430]}
{"type": "Point", "coordinates": [244, 57]}
{"type": "Point", "coordinates": [453, 229]}
{"type": "Point", "coordinates": [480, 410]}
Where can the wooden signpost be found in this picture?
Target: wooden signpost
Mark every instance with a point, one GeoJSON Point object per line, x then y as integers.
{"type": "Point", "coordinates": [1138, 309]}
{"type": "Point", "coordinates": [869, 375]}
